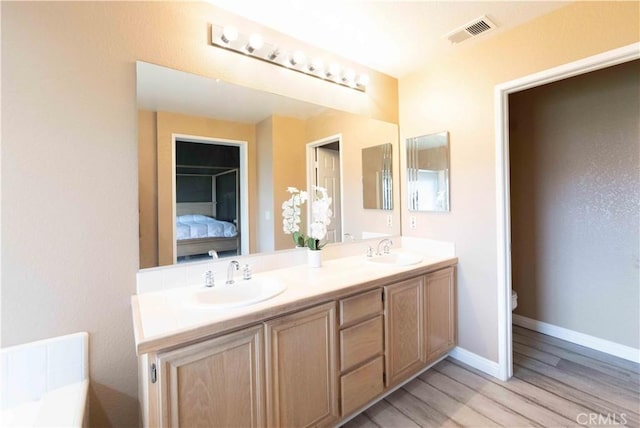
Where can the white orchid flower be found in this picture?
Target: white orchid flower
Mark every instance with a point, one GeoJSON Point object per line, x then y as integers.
{"type": "Point", "coordinates": [320, 214]}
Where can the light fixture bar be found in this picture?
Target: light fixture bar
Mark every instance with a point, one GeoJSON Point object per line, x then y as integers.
{"type": "Point", "coordinates": [229, 38]}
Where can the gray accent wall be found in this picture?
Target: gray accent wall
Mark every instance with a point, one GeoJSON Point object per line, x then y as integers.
{"type": "Point", "coordinates": [575, 203]}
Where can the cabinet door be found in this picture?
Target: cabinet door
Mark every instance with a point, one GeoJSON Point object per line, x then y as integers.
{"type": "Point", "coordinates": [404, 329]}
{"type": "Point", "coordinates": [440, 313]}
{"type": "Point", "coordinates": [301, 368]}
{"type": "Point", "coordinates": [216, 383]}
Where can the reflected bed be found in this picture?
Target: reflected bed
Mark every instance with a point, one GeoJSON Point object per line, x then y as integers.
{"type": "Point", "coordinates": [198, 233]}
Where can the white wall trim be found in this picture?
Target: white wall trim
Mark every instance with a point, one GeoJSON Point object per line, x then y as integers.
{"type": "Point", "coordinates": [476, 361]}
{"type": "Point", "coordinates": [503, 207]}
{"type": "Point", "coordinates": [602, 345]}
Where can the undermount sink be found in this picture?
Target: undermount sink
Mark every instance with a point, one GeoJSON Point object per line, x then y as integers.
{"type": "Point", "coordinates": [241, 293]}
{"type": "Point", "coordinates": [396, 259]}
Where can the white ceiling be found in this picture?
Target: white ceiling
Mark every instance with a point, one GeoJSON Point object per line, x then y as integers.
{"type": "Point", "coordinates": [394, 37]}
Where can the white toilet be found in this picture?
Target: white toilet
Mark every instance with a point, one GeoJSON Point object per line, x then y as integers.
{"type": "Point", "coordinates": [514, 300]}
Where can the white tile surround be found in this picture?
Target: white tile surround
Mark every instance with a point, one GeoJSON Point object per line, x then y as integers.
{"type": "Point", "coordinates": [45, 383]}
{"type": "Point", "coordinates": [182, 275]}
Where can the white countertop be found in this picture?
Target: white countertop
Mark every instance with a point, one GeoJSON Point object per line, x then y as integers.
{"type": "Point", "coordinates": [164, 319]}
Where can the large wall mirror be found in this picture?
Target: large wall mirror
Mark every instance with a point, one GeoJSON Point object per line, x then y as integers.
{"type": "Point", "coordinates": [377, 177]}
{"type": "Point", "coordinates": [218, 156]}
{"type": "Point", "coordinates": [428, 172]}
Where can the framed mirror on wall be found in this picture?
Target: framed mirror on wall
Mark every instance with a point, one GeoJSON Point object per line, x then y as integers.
{"type": "Point", "coordinates": [377, 177]}
{"type": "Point", "coordinates": [428, 170]}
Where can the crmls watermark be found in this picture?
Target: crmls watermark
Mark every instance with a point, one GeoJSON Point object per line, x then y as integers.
{"type": "Point", "coordinates": [600, 419]}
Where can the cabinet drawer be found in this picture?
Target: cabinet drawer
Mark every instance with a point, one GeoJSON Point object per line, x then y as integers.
{"type": "Point", "coordinates": [361, 385]}
{"type": "Point", "coordinates": [360, 342]}
{"type": "Point", "coordinates": [361, 306]}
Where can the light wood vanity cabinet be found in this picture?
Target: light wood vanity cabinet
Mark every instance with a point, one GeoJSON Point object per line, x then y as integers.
{"type": "Point", "coordinates": [440, 313]}
{"type": "Point", "coordinates": [218, 382]}
{"type": "Point", "coordinates": [312, 367]}
{"type": "Point", "coordinates": [301, 368]}
{"type": "Point", "coordinates": [404, 329]}
{"type": "Point", "coordinates": [419, 323]}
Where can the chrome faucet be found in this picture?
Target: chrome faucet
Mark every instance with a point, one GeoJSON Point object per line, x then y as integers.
{"type": "Point", "coordinates": [386, 247]}
{"type": "Point", "coordinates": [232, 264]}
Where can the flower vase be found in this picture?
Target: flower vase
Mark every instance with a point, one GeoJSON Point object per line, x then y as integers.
{"type": "Point", "coordinates": [314, 258]}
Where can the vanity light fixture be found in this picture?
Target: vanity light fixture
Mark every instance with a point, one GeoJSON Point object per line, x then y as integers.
{"type": "Point", "coordinates": [228, 37]}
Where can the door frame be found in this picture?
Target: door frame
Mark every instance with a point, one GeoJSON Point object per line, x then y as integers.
{"type": "Point", "coordinates": [503, 208]}
{"type": "Point", "coordinates": [310, 149]}
{"type": "Point", "coordinates": [243, 201]}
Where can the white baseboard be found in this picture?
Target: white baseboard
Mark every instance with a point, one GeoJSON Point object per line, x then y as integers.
{"type": "Point", "coordinates": [602, 345]}
{"type": "Point", "coordinates": [476, 361]}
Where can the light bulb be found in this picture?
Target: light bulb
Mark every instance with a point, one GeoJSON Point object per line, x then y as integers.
{"type": "Point", "coordinates": [349, 76]}
{"type": "Point", "coordinates": [297, 58]}
{"type": "Point", "coordinates": [333, 71]}
{"type": "Point", "coordinates": [363, 80]}
{"type": "Point", "coordinates": [255, 42]}
{"type": "Point", "coordinates": [229, 34]}
{"type": "Point", "coordinates": [316, 65]}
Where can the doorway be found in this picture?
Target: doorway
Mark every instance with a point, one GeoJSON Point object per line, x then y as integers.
{"type": "Point", "coordinates": [502, 91]}
{"type": "Point", "coordinates": [324, 169]}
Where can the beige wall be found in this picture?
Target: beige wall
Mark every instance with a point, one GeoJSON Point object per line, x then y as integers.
{"type": "Point", "coordinates": [281, 164]}
{"type": "Point", "coordinates": [455, 93]}
{"type": "Point", "coordinates": [174, 123]}
{"type": "Point", "coordinates": [70, 166]}
{"type": "Point", "coordinates": [148, 188]}
{"type": "Point", "coordinates": [266, 215]}
{"type": "Point", "coordinates": [289, 169]}
{"type": "Point", "coordinates": [357, 133]}
{"type": "Point", "coordinates": [575, 193]}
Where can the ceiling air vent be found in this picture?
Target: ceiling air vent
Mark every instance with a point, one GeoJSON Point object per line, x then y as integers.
{"type": "Point", "coordinates": [471, 29]}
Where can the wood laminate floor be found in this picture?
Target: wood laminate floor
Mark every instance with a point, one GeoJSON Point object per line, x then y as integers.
{"type": "Point", "coordinates": [555, 384]}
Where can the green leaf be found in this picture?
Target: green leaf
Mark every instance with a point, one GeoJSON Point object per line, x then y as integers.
{"type": "Point", "coordinates": [314, 244]}
{"type": "Point", "coordinates": [298, 239]}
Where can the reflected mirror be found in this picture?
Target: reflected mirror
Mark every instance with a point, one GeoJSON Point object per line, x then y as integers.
{"type": "Point", "coordinates": [377, 177]}
{"type": "Point", "coordinates": [428, 172]}
{"type": "Point", "coordinates": [242, 149]}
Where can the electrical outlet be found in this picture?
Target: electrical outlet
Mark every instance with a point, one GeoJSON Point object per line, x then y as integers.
{"type": "Point", "coordinates": [412, 222]}
{"type": "Point", "coordinates": [390, 220]}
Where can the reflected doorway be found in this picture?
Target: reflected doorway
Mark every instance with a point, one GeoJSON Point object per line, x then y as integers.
{"type": "Point", "coordinates": [209, 200]}
{"type": "Point", "coordinates": [324, 169]}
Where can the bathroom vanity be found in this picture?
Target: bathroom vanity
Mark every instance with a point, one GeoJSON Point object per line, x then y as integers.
{"type": "Point", "coordinates": [338, 339]}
